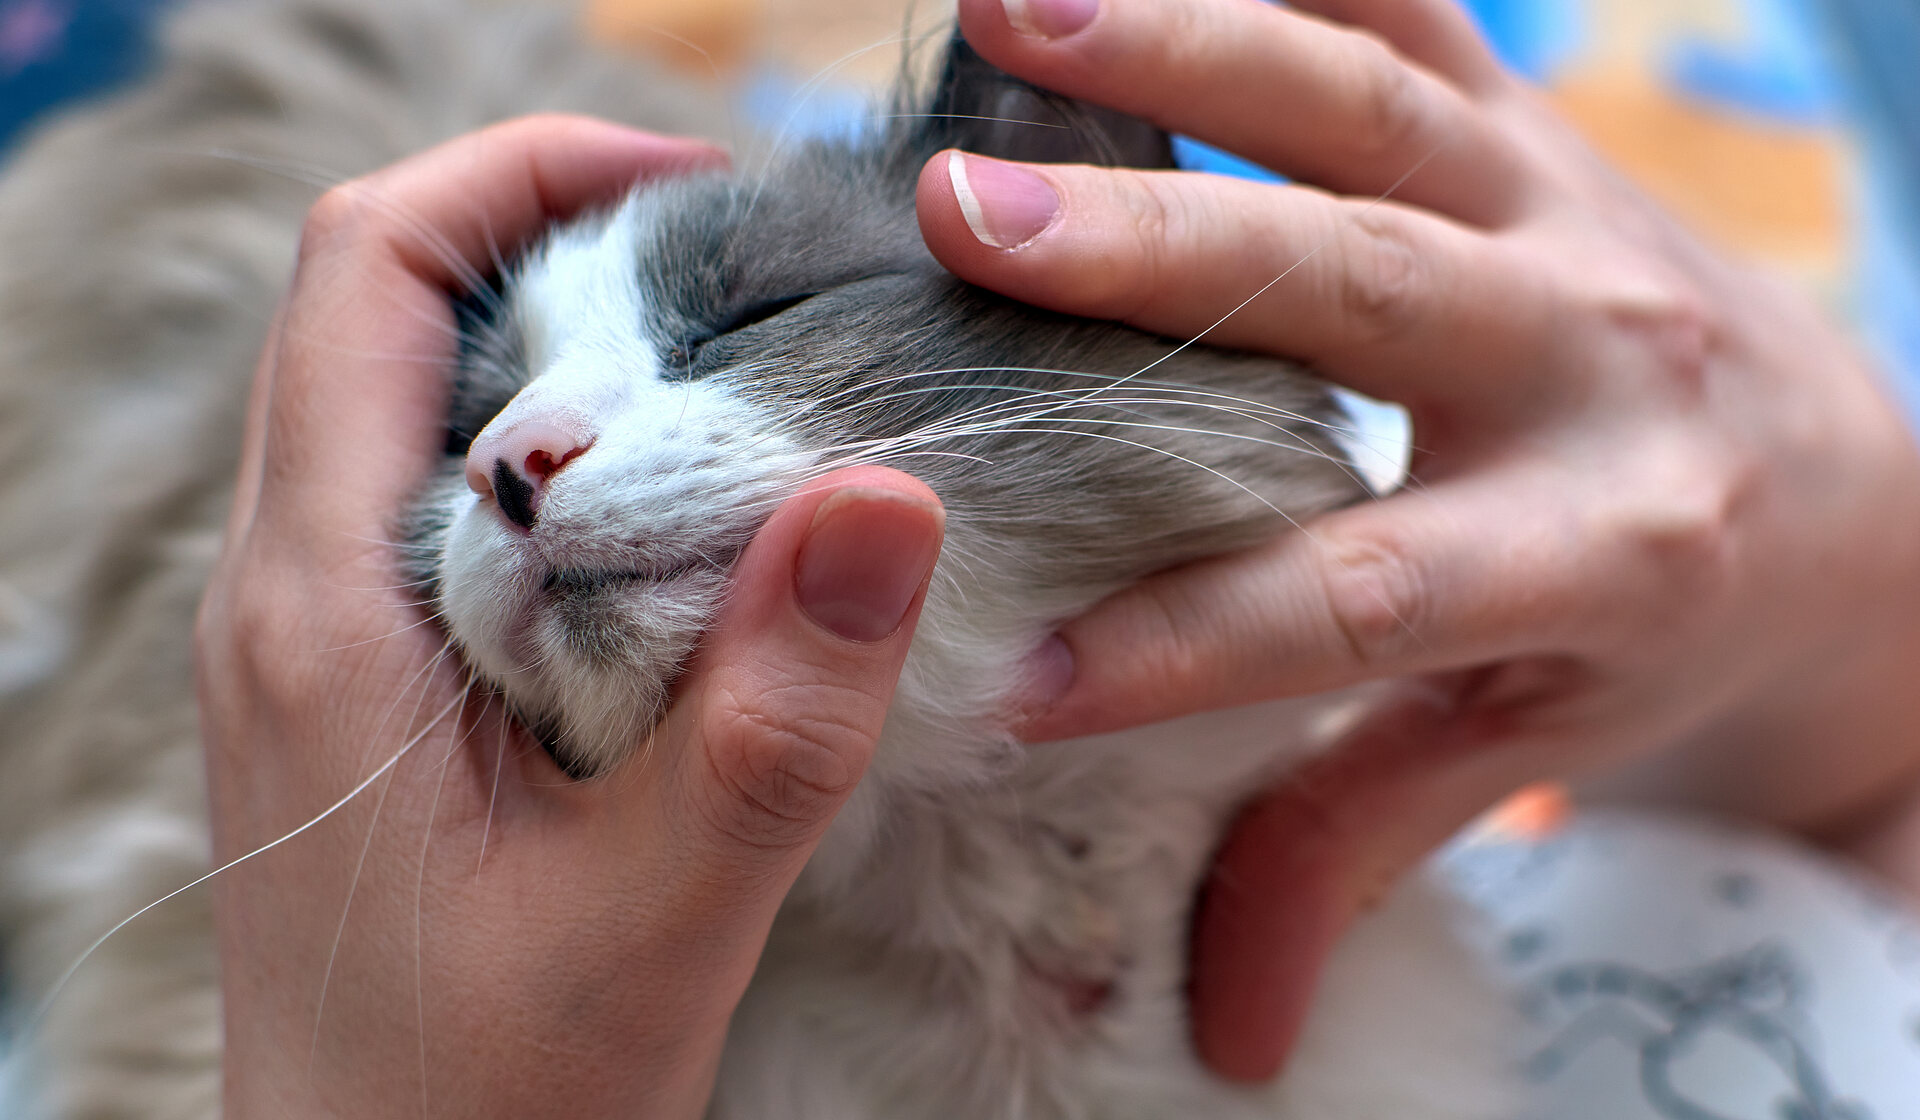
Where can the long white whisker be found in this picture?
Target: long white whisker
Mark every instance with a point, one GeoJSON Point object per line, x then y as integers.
{"type": "Point", "coordinates": [455, 742]}
{"type": "Point", "coordinates": [431, 239]}
{"type": "Point", "coordinates": [46, 1002]}
{"type": "Point", "coordinates": [1338, 230]}
{"type": "Point", "coordinates": [353, 884]}
{"type": "Point", "coordinates": [340, 931]}
{"type": "Point", "coordinates": [493, 799]}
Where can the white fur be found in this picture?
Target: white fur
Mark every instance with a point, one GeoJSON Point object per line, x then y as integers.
{"type": "Point", "coordinates": [658, 465]}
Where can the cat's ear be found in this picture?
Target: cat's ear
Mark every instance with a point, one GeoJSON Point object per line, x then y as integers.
{"type": "Point", "coordinates": [977, 107]}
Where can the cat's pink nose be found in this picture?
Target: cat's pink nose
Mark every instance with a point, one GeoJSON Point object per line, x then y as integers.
{"type": "Point", "coordinates": [514, 463]}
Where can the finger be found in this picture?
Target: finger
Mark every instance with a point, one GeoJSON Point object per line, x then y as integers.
{"type": "Point", "coordinates": [711, 824]}
{"type": "Point", "coordinates": [1422, 582]}
{"type": "Point", "coordinates": [1315, 101]}
{"type": "Point", "coordinates": [1390, 300]}
{"type": "Point", "coordinates": [792, 689]}
{"type": "Point", "coordinates": [358, 394]}
{"type": "Point", "coordinates": [1300, 865]}
{"type": "Point", "coordinates": [447, 213]}
{"type": "Point", "coordinates": [1437, 34]}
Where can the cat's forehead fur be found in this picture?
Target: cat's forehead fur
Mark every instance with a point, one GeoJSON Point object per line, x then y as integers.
{"type": "Point", "coordinates": [679, 257]}
{"type": "Point", "coordinates": [825, 214]}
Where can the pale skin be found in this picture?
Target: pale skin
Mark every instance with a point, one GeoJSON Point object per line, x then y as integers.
{"type": "Point", "coordinates": [1660, 504]}
{"type": "Point", "coordinates": [588, 964]}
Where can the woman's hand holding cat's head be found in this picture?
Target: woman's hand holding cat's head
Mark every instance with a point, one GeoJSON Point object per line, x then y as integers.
{"type": "Point", "coordinates": [472, 930]}
{"type": "Point", "coordinates": [1659, 501]}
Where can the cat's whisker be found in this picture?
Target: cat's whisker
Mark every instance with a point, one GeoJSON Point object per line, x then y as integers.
{"type": "Point", "coordinates": [465, 344]}
{"type": "Point", "coordinates": [460, 341]}
{"type": "Point", "coordinates": [1135, 384]}
{"type": "Point", "coordinates": [398, 357]}
{"type": "Point", "coordinates": [431, 618]}
{"type": "Point", "coordinates": [963, 117]}
{"type": "Point", "coordinates": [340, 931]}
{"type": "Point", "coordinates": [1339, 230]}
{"type": "Point", "coordinates": [456, 740]}
{"type": "Point", "coordinates": [60, 983]}
{"type": "Point", "coordinates": [1065, 400]}
{"type": "Point", "coordinates": [1291, 441]}
{"type": "Point", "coordinates": [1025, 418]}
{"type": "Point", "coordinates": [1306, 532]}
{"type": "Point", "coordinates": [493, 798]}
{"type": "Point", "coordinates": [420, 680]}
{"type": "Point", "coordinates": [798, 100]}
{"type": "Point", "coordinates": [1221, 475]}
{"type": "Point", "coordinates": [353, 884]}
{"type": "Point", "coordinates": [714, 69]}
{"type": "Point", "coordinates": [1014, 422]}
{"type": "Point", "coordinates": [384, 544]}
{"type": "Point", "coordinates": [412, 583]}
{"type": "Point", "coordinates": [430, 238]}
{"type": "Point", "coordinates": [491, 300]}
{"type": "Point", "coordinates": [1296, 444]}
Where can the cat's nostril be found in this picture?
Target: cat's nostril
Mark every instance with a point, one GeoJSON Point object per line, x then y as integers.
{"type": "Point", "coordinates": [514, 464]}
{"type": "Point", "coordinates": [517, 497]}
{"type": "Point", "coordinates": [542, 464]}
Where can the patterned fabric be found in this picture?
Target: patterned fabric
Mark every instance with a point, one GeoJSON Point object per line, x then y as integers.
{"type": "Point", "coordinates": [1677, 969]}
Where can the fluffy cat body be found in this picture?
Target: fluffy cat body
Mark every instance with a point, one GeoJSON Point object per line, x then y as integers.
{"type": "Point", "coordinates": [989, 930]}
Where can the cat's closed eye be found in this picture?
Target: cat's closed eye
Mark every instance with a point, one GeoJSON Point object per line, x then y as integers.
{"type": "Point", "coordinates": [683, 358]}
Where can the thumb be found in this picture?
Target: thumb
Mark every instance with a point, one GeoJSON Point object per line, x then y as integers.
{"type": "Point", "coordinates": [1311, 856]}
{"type": "Point", "coordinates": [792, 690]}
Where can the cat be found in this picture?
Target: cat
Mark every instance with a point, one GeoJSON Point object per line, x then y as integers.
{"type": "Point", "coordinates": [988, 930]}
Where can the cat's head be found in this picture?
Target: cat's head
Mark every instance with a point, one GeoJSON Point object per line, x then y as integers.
{"type": "Point", "coordinates": [647, 385]}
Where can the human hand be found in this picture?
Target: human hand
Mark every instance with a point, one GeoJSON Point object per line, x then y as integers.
{"type": "Point", "coordinates": [1658, 501]}
{"type": "Point", "coordinates": [474, 931]}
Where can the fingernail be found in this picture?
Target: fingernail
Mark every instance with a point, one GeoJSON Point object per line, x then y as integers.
{"type": "Point", "coordinates": [1046, 675]}
{"type": "Point", "coordinates": [1005, 204]}
{"type": "Point", "coordinates": [866, 555]}
{"type": "Point", "coordinates": [1050, 19]}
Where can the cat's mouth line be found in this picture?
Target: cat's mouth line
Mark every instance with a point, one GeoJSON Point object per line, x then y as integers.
{"type": "Point", "coordinates": [564, 581]}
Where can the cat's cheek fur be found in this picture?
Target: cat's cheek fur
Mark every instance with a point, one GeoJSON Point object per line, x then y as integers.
{"type": "Point", "coordinates": [485, 601]}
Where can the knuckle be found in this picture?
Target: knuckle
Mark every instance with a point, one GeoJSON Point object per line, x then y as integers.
{"type": "Point", "coordinates": [1378, 289]}
{"type": "Point", "coordinates": [783, 763]}
{"type": "Point", "coordinates": [240, 652]}
{"type": "Point", "coordinates": [333, 216]}
{"type": "Point", "coordinates": [1131, 278]}
{"type": "Point", "coordinates": [1679, 337]}
{"type": "Point", "coordinates": [1681, 540]}
{"type": "Point", "coordinates": [1669, 322]}
{"type": "Point", "coordinates": [1688, 535]}
{"type": "Point", "coordinates": [237, 624]}
{"type": "Point", "coordinates": [1171, 635]}
{"type": "Point", "coordinates": [218, 642]}
{"type": "Point", "coordinates": [1391, 105]}
{"type": "Point", "coordinates": [1186, 41]}
{"type": "Point", "coordinates": [1376, 595]}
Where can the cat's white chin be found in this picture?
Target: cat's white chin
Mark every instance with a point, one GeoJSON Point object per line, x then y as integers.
{"type": "Point", "coordinates": [587, 660]}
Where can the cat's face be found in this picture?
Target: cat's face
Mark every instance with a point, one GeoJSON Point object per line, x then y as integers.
{"type": "Point", "coordinates": [652, 382]}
